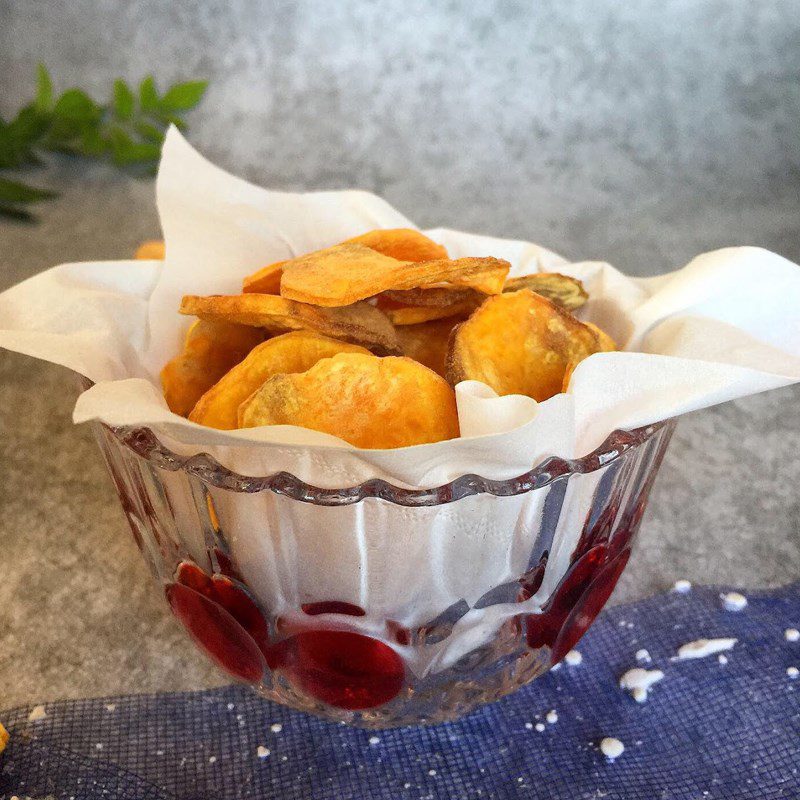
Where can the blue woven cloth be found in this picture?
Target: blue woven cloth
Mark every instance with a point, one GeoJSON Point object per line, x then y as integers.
{"type": "Point", "coordinates": [708, 730]}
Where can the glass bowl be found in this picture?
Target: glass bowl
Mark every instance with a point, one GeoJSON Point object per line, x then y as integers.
{"type": "Point", "coordinates": [298, 591]}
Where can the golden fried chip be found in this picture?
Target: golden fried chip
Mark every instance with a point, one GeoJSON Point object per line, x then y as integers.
{"type": "Point", "coordinates": [427, 343]}
{"type": "Point", "coordinates": [4, 737]}
{"type": "Point", "coordinates": [360, 323]}
{"type": "Point", "coordinates": [607, 344]}
{"type": "Point", "coordinates": [347, 273]}
{"type": "Point", "coordinates": [153, 249]}
{"type": "Point", "coordinates": [519, 343]}
{"type": "Point", "coordinates": [414, 315]}
{"type": "Point", "coordinates": [433, 296]}
{"type": "Point", "coordinates": [368, 401]}
{"type": "Point", "coordinates": [211, 348]}
{"type": "Point", "coordinates": [291, 352]}
{"type": "Point", "coordinates": [560, 289]}
{"type": "Point", "coordinates": [266, 281]}
{"type": "Point", "coordinates": [403, 244]}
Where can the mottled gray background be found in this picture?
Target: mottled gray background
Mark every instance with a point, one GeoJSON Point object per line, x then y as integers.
{"type": "Point", "coordinates": [639, 133]}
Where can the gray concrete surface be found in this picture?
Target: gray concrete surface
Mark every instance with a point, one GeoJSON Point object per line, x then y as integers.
{"type": "Point", "coordinates": [641, 135]}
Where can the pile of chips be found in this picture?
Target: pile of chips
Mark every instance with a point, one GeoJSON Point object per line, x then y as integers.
{"type": "Point", "coordinates": [365, 340]}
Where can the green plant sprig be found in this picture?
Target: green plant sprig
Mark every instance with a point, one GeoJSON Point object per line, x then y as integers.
{"type": "Point", "coordinates": [128, 131]}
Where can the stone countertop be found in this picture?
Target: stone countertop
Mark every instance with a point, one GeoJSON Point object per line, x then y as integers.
{"type": "Point", "coordinates": [629, 136]}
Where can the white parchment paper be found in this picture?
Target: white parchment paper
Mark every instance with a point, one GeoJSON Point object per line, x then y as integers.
{"type": "Point", "coordinates": [724, 326]}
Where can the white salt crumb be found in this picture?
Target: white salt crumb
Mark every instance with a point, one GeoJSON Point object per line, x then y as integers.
{"type": "Point", "coordinates": [573, 658]}
{"type": "Point", "coordinates": [682, 586]}
{"type": "Point", "coordinates": [230, 706]}
{"type": "Point", "coordinates": [555, 667]}
{"type": "Point", "coordinates": [431, 772]}
{"type": "Point", "coordinates": [792, 672]}
{"type": "Point", "coordinates": [638, 681]}
{"type": "Point", "coordinates": [406, 785]}
{"type": "Point", "coordinates": [262, 752]}
{"type": "Point", "coordinates": [791, 635]}
{"type": "Point", "coordinates": [529, 726]}
{"type": "Point", "coordinates": [276, 728]}
{"type": "Point", "coordinates": [703, 647]}
{"type": "Point", "coordinates": [99, 746]}
{"type": "Point", "coordinates": [622, 623]}
{"type": "Point", "coordinates": [111, 707]}
{"type": "Point", "coordinates": [159, 752]}
{"type": "Point", "coordinates": [733, 601]}
{"type": "Point", "coordinates": [37, 713]}
{"type": "Point", "coordinates": [284, 758]}
{"type": "Point", "coordinates": [612, 748]}
{"type": "Point", "coordinates": [723, 659]}
{"type": "Point", "coordinates": [629, 625]}
{"type": "Point", "coordinates": [540, 726]}
{"type": "Point", "coordinates": [212, 760]}
{"type": "Point", "coordinates": [643, 657]}
{"type": "Point", "coordinates": [552, 716]}
{"type": "Point", "coordinates": [374, 740]}
{"type": "Point", "coordinates": [519, 780]}
{"type": "Point", "coordinates": [639, 694]}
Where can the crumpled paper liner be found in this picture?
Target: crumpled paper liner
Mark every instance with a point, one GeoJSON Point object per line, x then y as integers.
{"type": "Point", "coordinates": [725, 326]}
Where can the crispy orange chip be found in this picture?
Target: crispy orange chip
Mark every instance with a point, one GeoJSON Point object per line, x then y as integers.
{"type": "Point", "coordinates": [560, 289]}
{"type": "Point", "coordinates": [368, 401]}
{"type": "Point", "coordinates": [519, 343]}
{"type": "Point", "coordinates": [291, 352]}
{"type": "Point", "coordinates": [414, 315]}
{"type": "Point", "coordinates": [427, 343]}
{"type": "Point", "coordinates": [605, 344]}
{"type": "Point", "coordinates": [346, 273]}
{"type": "Point", "coordinates": [210, 350]}
{"type": "Point", "coordinates": [433, 296]}
{"type": "Point", "coordinates": [4, 737]}
{"type": "Point", "coordinates": [153, 249]}
{"type": "Point", "coordinates": [360, 323]}
{"type": "Point", "coordinates": [403, 244]}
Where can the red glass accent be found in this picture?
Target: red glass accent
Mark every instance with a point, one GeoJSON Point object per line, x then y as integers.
{"type": "Point", "coordinates": [532, 580]}
{"type": "Point", "coordinates": [543, 629]}
{"type": "Point", "coordinates": [589, 606]}
{"type": "Point", "coordinates": [341, 668]}
{"type": "Point", "coordinates": [398, 632]}
{"type": "Point", "coordinates": [333, 607]}
{"type": "Point", "coordinates": [214, 630]}
{"type": "Point", "coordinates": [222, 590]}
{"type": "Point", "coordinates": [226, 566]}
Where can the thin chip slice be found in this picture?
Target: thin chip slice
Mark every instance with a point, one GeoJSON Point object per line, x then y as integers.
{"type": "Point", "coordinates": [153, 250]}
{"type": "Point", "coordinates": [433, 296]}
{"type": "Point", "coordinates": [427, 343]}
{"type": "Point", "coordinates": [561, 289]}
{"type": "Point", "coordinates": [605, 345]}
{"type": "Point", "coordinates": [414, 315]}
{"type": "Point", "coordinates": [371, 402]}
{"type": "Point", "coordinates": [291, 352]}
{"type": "Point", "coordinates": [346, 273]}
{"type": "Point", "coordinates": [404, 244]}
{"type": "Point", "coordinates": [519, 343]}
{"type": "Point", "coordinates": [211, 348]}
{"type": "Point", "coordinates": [359, 324]}
{"type": "Point", "coordinates": [266, 281]}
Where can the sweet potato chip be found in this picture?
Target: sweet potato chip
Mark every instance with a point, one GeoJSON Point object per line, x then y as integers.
{"type": "Point", "coordinates": [153, 249]}
{"type": "Point", "coordinates": [560, 289]}
{"type": "Point", "coordinates": [291, 352]}
{"type": "Point", "coordinates": [605, 344]}
{"type": "Point", "coordinates": [414, 315]}
{"type": "Point", "coordinates": [427, 343]}
{"type": "Point", "coordinates": [368, 401]}
{"type": "Point", "coordinates": [433, 296]}
{"type": "Point", "coordinates": [519, 343]}
{"type": "Point", "coordinates": [4, 737]}
{"type": "Point", "coordinates": [403, 244]}
{"type": "Point", "coordinates": [346, 273]}
{"type": "Point", "coordinates": [359, 324]}
{"type": "Point", "coordinates": [210, 350]}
